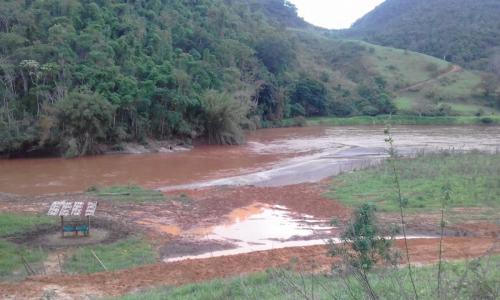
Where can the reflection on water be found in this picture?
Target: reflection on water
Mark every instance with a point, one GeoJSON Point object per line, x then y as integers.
{"type": "Point", "coordinates": [261, 227]}
{"type": "Point", "coordinates": [261, 224]}
{"type": "Point", "coordinates": [271, 157]}
{"type": "Point", "coordinates": [264, 227]}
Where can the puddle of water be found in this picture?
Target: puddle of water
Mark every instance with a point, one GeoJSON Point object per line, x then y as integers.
{"type": "Point", "coordinates": [263, 227]}
{"type": "Point", "coordinates": [261, 224]}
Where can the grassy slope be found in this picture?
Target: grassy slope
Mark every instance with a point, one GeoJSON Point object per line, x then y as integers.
{"type": "Point", "coordinates": [400, 69]}
{"type": "Point", "coordinates": [270, 286]}
{"type": "Point", "coordinates": [404, 68]}
{"type": "Point", "coordinates": [474, 179]}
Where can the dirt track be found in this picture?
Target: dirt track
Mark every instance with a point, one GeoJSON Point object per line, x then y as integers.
{"type": "Point", "coordinates": [178, 273]}
{"type": "Point", "coordinates": [451, 70]}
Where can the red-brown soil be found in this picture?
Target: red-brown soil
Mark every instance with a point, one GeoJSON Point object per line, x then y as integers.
{"type": "Point", "coordinates": [162, 221]}
{"type": "Point", "coordinates": [189, 271]}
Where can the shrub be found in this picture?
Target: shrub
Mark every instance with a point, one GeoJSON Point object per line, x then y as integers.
{"type": "Point", "coordinates": [224, 117]}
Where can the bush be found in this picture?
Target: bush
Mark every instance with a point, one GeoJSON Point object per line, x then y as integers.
{"type": "Point", "coordinates": [224, 117]}
{"type": "Point", "coordinates": [83, 122]}
{"type": "Point", "coordinates": [312, 96]}
{"type": "Point", "coordinates": [487, 120]}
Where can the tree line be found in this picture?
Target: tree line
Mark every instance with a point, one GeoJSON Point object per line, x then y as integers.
{"type": "Point", "coordinates": [78, 74]}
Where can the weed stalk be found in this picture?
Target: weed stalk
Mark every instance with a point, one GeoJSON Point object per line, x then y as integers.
{"type": "Point", "coordinates": [444, 202]}
{"type": "Point", "coordinates": [392, 159]}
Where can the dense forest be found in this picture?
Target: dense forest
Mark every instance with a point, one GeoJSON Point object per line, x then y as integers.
{"type": "Point", "coordinates": [465, 32]}
{"type": "Point", "coordinates": [78, 74]}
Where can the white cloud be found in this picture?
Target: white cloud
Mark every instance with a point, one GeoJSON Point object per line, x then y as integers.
{"type": "Point", "coordinates": [334, 14]}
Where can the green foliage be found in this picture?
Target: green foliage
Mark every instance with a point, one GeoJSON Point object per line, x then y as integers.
{"type": "Point", "coordinates": [275, 52]}
{"type": "Point", "coordinates": [309, 98]}
{"type": "Point", "coordinates": [465, 32]}
{"type": "Point", "coordinates": [365, 238]}
{"type": "Point", "coordinates": [120, 255]}
{"type": "Point", "coordinates": [143, 69]}
{"type": "Point", "coordinates": [473, 178]}
{"type": "Point", "coordinates": [223, 118]}
{"type": "Point", "coordinates": [84, 120]}
{"type": "Point", "coordinates": [374, 99]}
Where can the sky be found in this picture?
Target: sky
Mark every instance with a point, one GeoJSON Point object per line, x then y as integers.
{"type": "Point", "coordinates": [334, 14]}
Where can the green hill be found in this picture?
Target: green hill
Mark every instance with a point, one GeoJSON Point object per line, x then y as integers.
{"type": "Point", "coordinates": [466, 32]}
{"type": "Point", "coordinates": [80, 76]}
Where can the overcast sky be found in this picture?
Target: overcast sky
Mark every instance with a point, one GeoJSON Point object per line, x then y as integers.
{"type": "Point", "coordinates": [334, 14]}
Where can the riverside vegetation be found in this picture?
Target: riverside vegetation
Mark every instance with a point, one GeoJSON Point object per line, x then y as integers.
{"type": "Point", "coordinates": [78, 77]}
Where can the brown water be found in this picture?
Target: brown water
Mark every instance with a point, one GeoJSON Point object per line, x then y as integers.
{"type": "Point", "coordinates": [271, 157]}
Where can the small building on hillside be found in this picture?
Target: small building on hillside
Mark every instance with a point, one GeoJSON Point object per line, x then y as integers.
{"type": "Point", "coordinates": [75, 216]}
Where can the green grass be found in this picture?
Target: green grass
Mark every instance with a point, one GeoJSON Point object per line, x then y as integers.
{"type": "Point", "coordinates": [271, 285]}
{"type": "Point", "coordinates": [11, 264]}
{"type": "Point", "coordinates": [404, 103]}
{"type": "Point", "coordinates": [401, 120]}
{"type": "Point", "coordinates": [474, 179]}
{"type": "Point", "coordinates": [402, 68]}
{"type": "Point", "coordinates": [127, 193]}
{"type": "Point", "coordinates": [11, 223]}
{"type": "Point", "coordinates": [456, 86]}
{"type": "Point", "coordinates": [120, 255]}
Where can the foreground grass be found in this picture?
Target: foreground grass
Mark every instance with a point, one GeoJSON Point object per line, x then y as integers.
{"type": "Point", "coordinates": [11, 260]}
{"type": "Point", "coordinates": [404, 120]}
{"type": "Point", "coordinates": [11, 223]}
{"type": "Point", "coordinates": [120, 255]}
{"type": "Point", "coordinates": [11, 255]}
{"type": "Point", "coordinates": [473, 177]}
{"type": "Point", "coordinates": [462, 280]}
{"type": "Point", "coordinates": [127, 193]}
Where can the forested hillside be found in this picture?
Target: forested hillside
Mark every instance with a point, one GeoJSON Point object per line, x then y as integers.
{"type": "Point", "coordinates": [79, 74]}
{"type": "Point", "coordinates": [465, 32]}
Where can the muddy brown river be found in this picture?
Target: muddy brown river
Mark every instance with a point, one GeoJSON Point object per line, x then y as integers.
{"type": "Point", "coordinates": [272, 157]}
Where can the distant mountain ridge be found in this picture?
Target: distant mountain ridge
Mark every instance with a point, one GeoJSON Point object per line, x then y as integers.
{"type": "Point", "coordinates": [466, 32]}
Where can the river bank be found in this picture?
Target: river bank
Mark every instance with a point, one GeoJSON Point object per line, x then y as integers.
{"type": "Point", "coordinates": [277, 156]}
